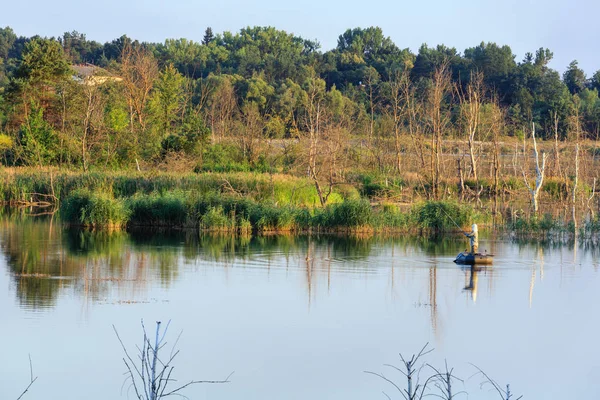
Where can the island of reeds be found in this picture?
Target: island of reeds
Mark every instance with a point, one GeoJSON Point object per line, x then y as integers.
{"type": "Point", "coordinates": [262, 131]}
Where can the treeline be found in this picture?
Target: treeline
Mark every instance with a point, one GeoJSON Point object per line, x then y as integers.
{"type": "Point", "coordinates": [229, 102]}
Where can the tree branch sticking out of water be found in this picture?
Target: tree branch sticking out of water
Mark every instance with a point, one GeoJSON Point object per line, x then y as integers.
{"type": "Point", "coordinates": [151, 376]}
{"type": "Point", "coordinates": [443, 381]}
{"type": "Point", "coordinates": [505, 394]}
{"type": "Point", "coordinates": [415, 390]}
{"type": "Point", "coordinates": [31, 379]}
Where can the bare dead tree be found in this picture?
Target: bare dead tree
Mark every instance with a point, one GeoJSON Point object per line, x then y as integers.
{"type": "Point", "coordinates": [139, 70]}
{"type": "Point", "coordinates": [31, 380]}
{"type": "Point", "coordinates": [439, 118]}
{"type": "Point", "coordinates": [557, 168]}
{"type": "Point", "coordinates": [413, 112]}
{"type": "Point", "coordinates": [496, 127]}
{"type": "Point", "coordinates": [414, 389]}
{"type": "Point", "coordinates": [151, 375]}
{"type": "Point", "coordinates": [222, 109]}
{"type": "Point", "coordinates": [471, 102]}
{"type": "Point", "coordinates": [251, 132]}
{"type": "Point", "coordinates": [505, 394]}
{"type": "Point", "coordinates": [589, 200]}
{"type": "Point", "coordinates": [396, 110]}
{"type": "Point", "coordinates": [371, 79]}
{"type": "Point", "coordinates": [574, 192]}
{"type": "Point", "coordinates": [534, 190]}
{"type": "Point", "coordinates": [443, 381]}
{"type": "Point", "coordinates": [575, 128]}
{"type": "Point", "coordinates": [314, 105]}
{"type": "Point", "coordinates": [93, 104]}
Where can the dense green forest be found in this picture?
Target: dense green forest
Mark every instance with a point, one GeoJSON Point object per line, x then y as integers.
{"type": "Point", "coordinates": [185, 97]}
{"type": "Point", "coordinates": [367, 113]}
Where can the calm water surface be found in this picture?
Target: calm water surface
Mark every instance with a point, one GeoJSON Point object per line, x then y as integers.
{"type": "Point", "coordinates": [294, 317]}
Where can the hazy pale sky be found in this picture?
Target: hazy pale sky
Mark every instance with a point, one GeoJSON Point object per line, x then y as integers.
{"type": "Point", "coordinates": [566, 27]}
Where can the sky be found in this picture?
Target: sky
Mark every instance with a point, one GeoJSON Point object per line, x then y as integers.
{"type": "Point", "coordinates": [566, 27]}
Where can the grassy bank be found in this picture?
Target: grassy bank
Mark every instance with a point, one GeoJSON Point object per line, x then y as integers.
{"type": "Point", "coordinates": [251, 202]}
{"type": "Point", "coordinates": [226, 213]}
{"type": "Point", "coordinates": [231, 202]}
{"type": "Point", "coordinates": [31, 185]}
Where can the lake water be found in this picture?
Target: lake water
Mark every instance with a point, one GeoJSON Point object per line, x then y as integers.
{"type": "Point", "coordinates": [294, 317]}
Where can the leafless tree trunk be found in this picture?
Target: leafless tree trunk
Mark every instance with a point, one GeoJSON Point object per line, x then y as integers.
{"type": "Point", "coordinates": [575, 182]}
{"type": "Point", "coordinates": [93, 101]}
{"type": "Point", "coordinates": [139, 70]}
{"type": "Point", "coordinates": [539, 172]}
{"type": "Point", "coordinates": [222, 110]}
{"type": "Point", "coordinates": [557, 169]}
{"type": "Point", "coordinates": [575, 128]}
{"type": "Point", "coordinates": [413, 111]}
{"type": "Point", "coordinates": [439, 118]}
{"type": "Point", "coordinates": [471, 102]}
{"type": "Point", "coordinates": [252, 130]}
{"type": "Point", "coordinates": [314, 105]}
{"type": "Point", "coordinates": [589, 200]}
{"type": "Point", "coordinates": [414, 389]}
{"type": "Point", "coordinates": [399, 102]}
{"type": "Point", "coordinates": [150, 375]}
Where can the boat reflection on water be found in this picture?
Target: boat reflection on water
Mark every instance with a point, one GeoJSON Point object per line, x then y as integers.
{"type": "Point", "coordinates": [472, 276]}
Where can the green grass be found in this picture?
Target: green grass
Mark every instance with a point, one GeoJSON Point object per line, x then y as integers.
{"type": "Point", "coordinates": [94, 209]}
{"type": "Point", "coordinates": [239, 202]}
{"type": "Point", "coordinates": [230, 213]}
{"type": "Point", "coordinates": [169, 209]}
{"type": "Point", "coordinates": [215, 220]}
{"type": "Point", "coordinates": [443, 216]}
{"type": "Point", "coordinates": [18, 185]}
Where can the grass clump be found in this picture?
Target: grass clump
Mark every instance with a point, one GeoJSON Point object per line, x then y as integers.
{"type": "Point", "coordinates": [535, 225]}
{"type": "Point", "coordinates": [169, 209]}
{"type": "Point", "coordinates": [215, 220]}
{"type": "Point", "coordinates": [442, 216]}
{"type": "Point", "coordinates": [85, 208]}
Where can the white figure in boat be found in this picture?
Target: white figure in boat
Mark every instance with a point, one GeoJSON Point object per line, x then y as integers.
{"type": "Point", "coordinates": [474, 236]}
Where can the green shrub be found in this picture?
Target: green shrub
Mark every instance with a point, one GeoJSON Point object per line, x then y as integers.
{"type": "Point", "coordinates": [352, 214]}
{"type": "Point", "coordinates": [557, 189]}
{"type": "Point", "coordinates": [439, 216]}
{"type": "Point", "coordinates": [169, 209]}
{"type": "Point", "coordinates": [90, 209]}
{"type": "Point", "coordinates": [215, 220]}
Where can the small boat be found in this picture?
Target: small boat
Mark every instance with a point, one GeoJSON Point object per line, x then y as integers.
{"type": "Point", "coordinates": [467, 258]}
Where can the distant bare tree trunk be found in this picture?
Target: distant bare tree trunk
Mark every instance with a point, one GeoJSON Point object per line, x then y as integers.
{"type": "Point", "coordinates": [471, 103]}
{"type": "Point", "coordinates": [413, 109]}
{"type": "Point", "coordinates": [496, 163]}
{"type": "Point", "coordinates": [314, 105]}
{"type": "Point", "coordinates": [139, 70]}
{"type": "Point", "coordinates": [438, 119]}
{"type": "Point", "coordinates": [223, 109]}
{"type": "Point", "coordinates": [539, 171]}
{"type": "Point", "coordinates": [575, 127]}
{"type": "Point", "coordinates": [93, 107]}
{"type": "Point", "coordinates": [461, 178]}
{"type": "Point", "coordinates": [397, 105]}
{"type": "Point", "coordinates": [575, 182]}
{"type": "Point", "coordinates": [557, 168]}
{"type": "Point", "coordinates": [589, 200]}
{"type": "Point", "coordinates": [252, 130]}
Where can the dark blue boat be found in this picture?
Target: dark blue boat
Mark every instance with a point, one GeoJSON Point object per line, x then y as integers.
{"type": "Point", "coordinates": [467, 258]}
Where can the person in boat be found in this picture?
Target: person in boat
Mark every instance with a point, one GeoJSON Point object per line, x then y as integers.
{"type": "Point", "coordinates": [474, 236]}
